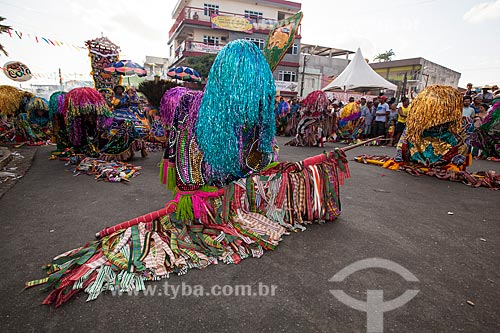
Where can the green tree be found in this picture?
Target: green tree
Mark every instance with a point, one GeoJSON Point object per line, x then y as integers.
{"type": "Point", "coordinates": [3, 28]}
{"type": "Point", "coordinates": [201, 64]}
{"type": "Point", "coordinates": [154, 90]}
{"type": "Point", "coordinates": [385, 56]}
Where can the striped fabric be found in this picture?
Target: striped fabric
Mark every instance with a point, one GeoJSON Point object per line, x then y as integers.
{"type": "Point", "coordinates": [251, 216]}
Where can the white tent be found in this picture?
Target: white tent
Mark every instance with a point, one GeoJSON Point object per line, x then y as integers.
{"type": "Point", "coordinates": [358, 75]}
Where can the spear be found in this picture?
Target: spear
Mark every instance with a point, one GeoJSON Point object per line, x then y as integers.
{"type": "Point", "coordinates": [361, 143]}
{"type": "Point", "coordinates": [148, 218]}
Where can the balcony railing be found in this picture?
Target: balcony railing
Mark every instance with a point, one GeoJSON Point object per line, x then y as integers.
{"type": "Point", "coordinates": [195, 46]}
{"type": "Point", "coordinates": [201, 16]}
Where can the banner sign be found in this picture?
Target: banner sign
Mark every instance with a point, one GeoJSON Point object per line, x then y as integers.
{"type": "Point", "coordinates": [205, 48]}
{"type": "Point", "coordinates": [280, 39]}
{"type": "Point", "coordinates": [17, 71]}
{"type": "Point", "coordinates": [263, 24]}
{"type": "Point", "coordinates": [234, 23]}
{"type": "Point", "coordinates": [285, 85]}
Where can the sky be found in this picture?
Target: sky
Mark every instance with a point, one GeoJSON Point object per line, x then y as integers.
{"type": "Point", "coordinates": [456, 34]}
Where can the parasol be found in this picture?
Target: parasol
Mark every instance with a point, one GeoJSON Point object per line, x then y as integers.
{"type": "Point", "coordinates": [184, 73]}
{"type": "Point", "coordinates": [126, 68]}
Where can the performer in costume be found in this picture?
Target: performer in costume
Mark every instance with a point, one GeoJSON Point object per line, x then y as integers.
{"type": "Point", "coordinates": [16, 106]}
{"type": "Point", "coordinates": [435, 136]}
{"type": "Point", "coordinates": [312, 129]}
{"type": "Point", "coordinates": [252, 205]}
{"type": "Point", "coordinates": [486, 138]}
{"type": "Point", "coordinates": [350, 124]}
{"type": "Point", "coordinates": [13, 101]}
{"type": "Point", "coordinates": [141, 123]}
{"type": "Point", "coordinates": [433, 142]}
{"type": "Point", "coordinates": [33, 125]}
{"type": "Point", "coordinates": [38, 112]}
{"type": "Point", "coordinates": [126, 132]}
{"type": "Point", "coordinates": [87, 115]}
{"type": "Point", "coordinates": [57, 118]}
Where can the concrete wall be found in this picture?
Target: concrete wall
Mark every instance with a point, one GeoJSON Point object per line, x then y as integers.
{"type": "Point", "coordinates": [312, 81]}
{"type": "Point", "coordinates": [326, 65]}
{"type": "Point", "coordinates": [155, 66]}
{"type": "Point", "coordinates": [318, 70]}
{"type": "Point", "coordinates": [423, 71]}
{"type": "Point", "coordinates": [199, 33]}
{"type": "Point", "coordinates": [440, 75]}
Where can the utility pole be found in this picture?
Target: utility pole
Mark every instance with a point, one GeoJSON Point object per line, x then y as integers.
{"type": "Point", "coordinates": [60, 79]}
{"type": "Point", "coordinates": [304, 70]}
{"type": "Point", "coordinates": [303, 74]}
{"type": "Point", "coordinates": [403, 90]}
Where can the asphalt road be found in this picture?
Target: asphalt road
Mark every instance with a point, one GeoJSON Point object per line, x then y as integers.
{"type": "Point", "coordinates": [385, 214]}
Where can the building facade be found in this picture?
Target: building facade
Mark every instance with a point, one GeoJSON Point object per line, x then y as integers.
{"type": "Point", "coordinates": [156, 66]}
{"type": "Point", "coordinates": [319, 65]}
{"type": "Point", "coordinates": [419, 73]}
{"type": "Point", "coordinates": [204, 27]}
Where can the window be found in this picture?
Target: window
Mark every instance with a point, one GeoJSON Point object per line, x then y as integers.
{"type": "Point", "coordinates": [209, 9]}
{"type": "Point", "coordinates": [253, 15]}
{"type": "Point", "coordinates": [294, 49]}
{"type": "Point", "coordinates": [287, 76]}
{"type": "Point", "coordinates": [211, 40]}
{"type": "Point", "coordinates": [259, 42]}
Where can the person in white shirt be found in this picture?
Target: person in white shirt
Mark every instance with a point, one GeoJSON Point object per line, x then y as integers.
{"type": "Point", "coordinates": [467, 110]}
{"type": "Point", "coordinates": [381, 116]}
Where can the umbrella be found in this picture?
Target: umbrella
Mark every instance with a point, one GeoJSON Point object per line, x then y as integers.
{"type": "Point", "coordinates": [184, 74]}
{"type": "Point", "coordinates": [126, 68]}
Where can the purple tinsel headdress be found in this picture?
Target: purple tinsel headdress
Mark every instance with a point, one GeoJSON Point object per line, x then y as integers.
{"type": "Point", "coordinates": [85, 102]}
{"type": "Point", "coordinates": [188, 158]}
{"type": "Point", "coordinates": [60, 104]}
{"type": "Point", "coordinates": [169, 103]}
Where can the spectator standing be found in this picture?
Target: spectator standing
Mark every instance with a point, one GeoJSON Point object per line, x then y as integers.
{"type": "Point", "coordinates": [294, 107]}
{"type": "Point", "coordinates": [467, 110]}
{"type": "Point", "coordinates": [381, 116]}
{"type": "Point", "coordinates": [393, 113]}
{"type": "Point", "coordinates": [367, 114]}
{"type": "Point", "coordinates": [469, 92]}
{"type": "Point", "coordinates": [402, 114]}
{"type": "Point", "coordinates": [486, 96]}
{"type": "Point", "coordinates": [391, 122]}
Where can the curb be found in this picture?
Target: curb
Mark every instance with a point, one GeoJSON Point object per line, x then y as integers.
{"type": "Point", "coordinates": [29, 160]}
{"type": "Point", "coordinates": [5, 157]}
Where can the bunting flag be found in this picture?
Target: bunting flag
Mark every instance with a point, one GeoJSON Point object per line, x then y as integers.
{"type": "Point", "coordinates": [48, 41]}
{"type": "Point", "coordinates": [280, 39]}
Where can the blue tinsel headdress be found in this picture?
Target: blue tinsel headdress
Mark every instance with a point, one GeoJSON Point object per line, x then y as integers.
{"type": "Point", "coordinates": [56, 104]}
{"type": "Point", "coordinates": [237, 110]}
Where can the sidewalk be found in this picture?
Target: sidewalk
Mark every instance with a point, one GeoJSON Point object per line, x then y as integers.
{"type": "Point", "coordinates": [14, 163]}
